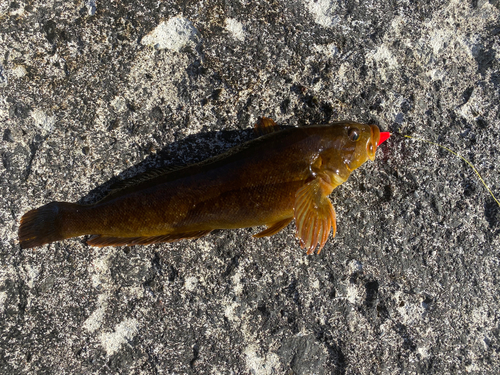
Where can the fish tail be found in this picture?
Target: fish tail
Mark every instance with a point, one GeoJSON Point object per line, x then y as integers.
{"type": "Point", "coordinates": [46, 224]}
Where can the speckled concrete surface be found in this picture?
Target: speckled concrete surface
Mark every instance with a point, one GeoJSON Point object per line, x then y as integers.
{"type": "Point", "coordinates": [92, 92]}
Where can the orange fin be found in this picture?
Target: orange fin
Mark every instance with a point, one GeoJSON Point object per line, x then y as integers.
{"type": "Point", "coordinates": [43, 225]}
{"type": "Point", "coordinates": [101, 241]}
{"type": "Point", "coordinates": [273, 228]}
{"type": "Point", "coordinates": [314, 214]}
{"type": "Point", "coordinates": [265, 125]}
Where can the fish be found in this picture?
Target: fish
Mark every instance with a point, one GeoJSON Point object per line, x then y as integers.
{"type": "Point", "coordinates": [282, 175]}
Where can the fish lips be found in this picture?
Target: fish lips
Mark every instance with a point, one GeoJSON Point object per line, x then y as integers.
{"type": "Point", "coordinates": [376, 139]}
{"type": "Point", "coordinates": [371, 145]}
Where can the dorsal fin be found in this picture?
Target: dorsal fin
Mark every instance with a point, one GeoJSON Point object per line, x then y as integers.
{"type": "Point", "coordinates": [265, 125]}
{"type": "Point", "coordinates": [141, 177]}
{"type": "Point", "coordinates": [120, 187]}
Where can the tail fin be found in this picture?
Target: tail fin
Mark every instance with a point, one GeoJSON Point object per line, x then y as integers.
{"type": "Point", "coordinates": [44, 225]}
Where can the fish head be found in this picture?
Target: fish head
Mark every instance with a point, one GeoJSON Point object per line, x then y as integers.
{"type": "Point", "coordinates": [351, 145]}
{"type": "Point", "coordinates": [361, 144]}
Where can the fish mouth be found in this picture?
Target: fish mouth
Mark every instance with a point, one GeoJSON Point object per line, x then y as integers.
{"type": "Point", "coordinates": [371, 145]}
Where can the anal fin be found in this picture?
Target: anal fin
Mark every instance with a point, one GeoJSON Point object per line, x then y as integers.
{"type": "Point", "coordinates": [102, 240]}
{"type": "Point", "coordinates": [272, 229]}
{"type": "Point", "coordinates": [314, 214]}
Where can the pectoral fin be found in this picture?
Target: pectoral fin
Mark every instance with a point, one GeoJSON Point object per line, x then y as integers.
{"type": "Point", "coordinates": [314, 214]}
{"type": "Point", "coordinates": [273, 228]}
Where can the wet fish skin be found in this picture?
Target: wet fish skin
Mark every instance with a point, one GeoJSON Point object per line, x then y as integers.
{"type": "Point", "coordinates": [271, 180]}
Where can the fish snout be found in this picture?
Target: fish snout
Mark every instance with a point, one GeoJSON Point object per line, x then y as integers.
{"type": "Point", "coordinates": [376, 139]}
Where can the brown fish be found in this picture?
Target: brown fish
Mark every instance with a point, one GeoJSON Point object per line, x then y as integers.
{"type": "Point", "coordinates": [268, 181]}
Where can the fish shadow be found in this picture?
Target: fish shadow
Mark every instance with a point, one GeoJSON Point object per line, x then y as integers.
{"type": "Point", "coordinates": [190, 150]}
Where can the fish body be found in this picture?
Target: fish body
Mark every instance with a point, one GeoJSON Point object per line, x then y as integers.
{"type": "Point", "coordinates": [268, 181]}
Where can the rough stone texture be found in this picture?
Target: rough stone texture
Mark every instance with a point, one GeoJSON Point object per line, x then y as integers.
{"type": "Point", "coordinates": [94, 91]}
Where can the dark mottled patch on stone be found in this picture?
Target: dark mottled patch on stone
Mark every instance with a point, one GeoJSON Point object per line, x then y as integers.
{"type": "Point", "coordinates": [371, 288]}
{"type": "Point", "coordinates": [129, 270]}
{"type": "Point", "coordinates": [19, 110]}
{"type": "Point", "coordinates": [216, 94]}
{"type": "Point", "coordinates": [172, 273]}
{"type": "Point", "coordinates": [6, 160]}
{"type": "Point", "coordinates": [156, 114]}
{"type": "Point", "coordinates": [233, 264]}
{"type": "Point", "coordinates": [492, 214]}
{"type": "Point", "coordinates": [7, 135]}
{"type": "Point", "coordinates": [50, 30]}
{"type": "Point", "coordinates": [302, 354]}
{"type": "Point", "coordinates": [486, 58]}
{"type": "Point", "coordinates": [285, 105]}
{"type": "Point", "coordinates": [402, 330]}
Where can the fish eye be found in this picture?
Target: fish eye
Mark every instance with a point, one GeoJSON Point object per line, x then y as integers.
{"type": "Point", "coordinates": [353, 134]}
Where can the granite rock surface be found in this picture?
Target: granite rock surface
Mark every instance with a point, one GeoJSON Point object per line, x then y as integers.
{"type": "Point", "coordinates": [93, 92]}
